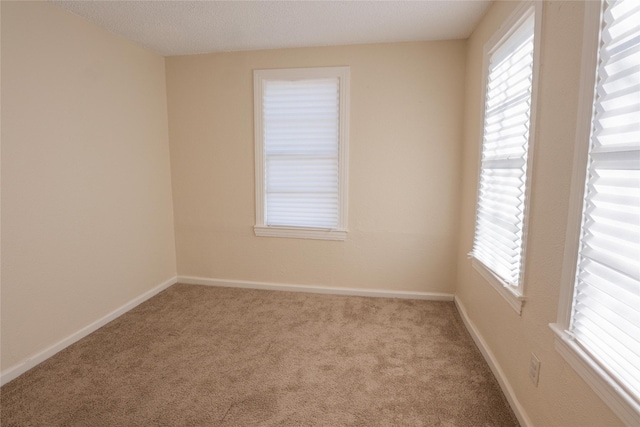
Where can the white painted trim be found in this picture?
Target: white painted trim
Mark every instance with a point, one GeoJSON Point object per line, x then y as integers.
{"type": "Point", "coordinates": [619, 400]}
{"type": "Point", "coordinates": [258, 141]}
{"type": "Point", "coordinates": [377, 293]}
{"type": "Point", "coordinates": [488, 355]}
{"type": "Point", "coordinates": [515, 300]}
{"type": "Point", "coordinates": [22, 367]}
{"type": "Point", "coordinates": [259, 76]}
{"type": "Point", "coordinates": [533, 129]}
{"type": "Point", "coordinates": [300, 232]}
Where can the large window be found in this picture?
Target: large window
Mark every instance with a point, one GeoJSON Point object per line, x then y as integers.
{"type": "Point", "coordinates": [598, 325]}
{"type": "Point", "coordinates": [506, 144]}
{"type": "Point", "coordinates": [301, 152]}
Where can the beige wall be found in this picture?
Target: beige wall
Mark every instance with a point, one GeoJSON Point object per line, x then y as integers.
{"type": "Point", "coordinates": [561, 398]}
{"type": "Point", "coordinates": [87, 220]}
{"type": "Point", "coordinates": [405, 132]}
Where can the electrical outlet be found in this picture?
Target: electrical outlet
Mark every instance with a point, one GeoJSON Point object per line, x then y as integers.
{"type": "Point", "coordinates": [534, 369]}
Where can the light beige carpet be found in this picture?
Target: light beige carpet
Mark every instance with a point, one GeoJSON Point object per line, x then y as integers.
{"type": "Point", "coordinates": [204, 356]}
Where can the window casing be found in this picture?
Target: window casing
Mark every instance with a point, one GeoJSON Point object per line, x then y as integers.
{"type": "Point", "coordinates": [301, 146]}
{"type": "Point", "coordinates": [511, 59]}
{"type": "Point", "coordinates": [598, 327]}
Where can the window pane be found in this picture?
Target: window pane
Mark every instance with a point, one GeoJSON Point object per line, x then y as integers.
{"type": "Point", "coordinates": [502, 187]}
{"type": "Point", "coordinates": [606, 307]}
{"type": "Point", "coordinates": [301, 150]}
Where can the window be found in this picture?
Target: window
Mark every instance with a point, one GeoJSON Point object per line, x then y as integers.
{"type": "Point", "coordinates": [301, 133]}
{"type": "Point", "coordinates": [504, 164]}
{"type": "Point", "coordinates": [598, 328]}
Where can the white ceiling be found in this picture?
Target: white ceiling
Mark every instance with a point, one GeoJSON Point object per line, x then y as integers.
{"type": "Point", "coordinates": [190, 27]}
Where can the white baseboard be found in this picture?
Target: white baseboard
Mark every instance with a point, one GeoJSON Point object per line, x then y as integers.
{"type": "Point", "coordinates": [488, 355]}
{"type": "Point", "coordinates": [22, 367]}
{"type": "Point", "coordinates": [434, 296]}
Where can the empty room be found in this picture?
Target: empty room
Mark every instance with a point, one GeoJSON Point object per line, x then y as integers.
{"type": "Point", "coordinates": [320, 213]}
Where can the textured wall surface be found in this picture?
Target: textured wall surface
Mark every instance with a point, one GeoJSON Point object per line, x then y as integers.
{"type": "Point", "coordinates": [562, 398]}
{"type": "Point", "coordinates": [87, 222]}
{"type": "Point", "coordinates": [406, 110]}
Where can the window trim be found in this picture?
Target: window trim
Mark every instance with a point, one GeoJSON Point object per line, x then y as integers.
{"type": "Point", "coordinates": [260, 76]}
{"type": "Point", "coordinates": [514, 296]}
{"type": "Point", "coordinates": [620, 402]}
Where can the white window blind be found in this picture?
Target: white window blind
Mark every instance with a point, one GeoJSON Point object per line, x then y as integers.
{"type": "Point", "coordinates": [301, 129]}
{"type": "Point", "coordinates": [498, 240]}
{"type": "Point", "coordinates": [605, 318]}
{"type": "Point", "coordinates": [301, 135]}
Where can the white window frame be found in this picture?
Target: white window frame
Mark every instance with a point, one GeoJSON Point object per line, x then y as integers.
{"type": "Point", "coordinates": [598, 379]}
{"type": "Point", "coordinates": [259, 77]}
{"type": "Point", "coordinates": [515, 297]}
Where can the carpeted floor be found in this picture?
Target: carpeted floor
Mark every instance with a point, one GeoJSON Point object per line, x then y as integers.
{"type": "Point", "coordinates": [204, 356]}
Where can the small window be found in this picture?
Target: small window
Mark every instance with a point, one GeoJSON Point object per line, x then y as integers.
{"type": "Point", "coordinates": [598, 325]}
{"type": "Point", "coordinates": [301, 152]}
{"type": "Point", "coordinates": [498, 244]}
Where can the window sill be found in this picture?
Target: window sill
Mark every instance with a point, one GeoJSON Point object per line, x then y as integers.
{"type": "Point", "coordinates": [618, 399]}
{"type": "Point", "coordinates": [515, 299]}
{"type": "Point", "coordinates": [300, 233]}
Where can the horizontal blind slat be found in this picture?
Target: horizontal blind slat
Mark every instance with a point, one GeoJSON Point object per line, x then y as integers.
{"type": "Point", "coordinates": [619, 286]}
